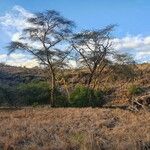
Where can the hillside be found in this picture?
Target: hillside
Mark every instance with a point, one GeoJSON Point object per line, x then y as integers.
{"type": "Point", "coordinates": [14, 75]}
{"type": "Point", "coordinates": [116, 90]}
{"type": "Point", "coordinates": [11, 75]}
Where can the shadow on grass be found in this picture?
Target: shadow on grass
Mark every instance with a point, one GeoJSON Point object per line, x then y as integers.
{"type": "Point", "coordinates": [124, 107]}
{"type": "Point", "coordinates": [10, 108]}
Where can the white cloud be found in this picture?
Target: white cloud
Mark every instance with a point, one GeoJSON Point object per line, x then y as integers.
{"type": "Point", "coordinates": [22, 11]}
{"type": "Point", "coordinates": [137, 46]}
{"type": "Point", "coordinates": [12, 23]}
{"type": "Point", "coordinates": [16, 18]}
{"type": "Point", "coordinates": [19, 59]}
{"type": "Point", "coordinates": [15, 36]}
{"type": "Point", "coordinates": [23, 62]}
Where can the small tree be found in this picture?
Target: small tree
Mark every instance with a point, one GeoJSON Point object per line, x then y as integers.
{"type": "Point", "coordinates": [46, 39]}
{"type": "Point", "coordinates": [94, 48]}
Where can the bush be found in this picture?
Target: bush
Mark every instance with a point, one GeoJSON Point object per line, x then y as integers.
{"type": "Point", "coordinates": [60, 99]}
{"type": "Point", "coordinates": [7, 96]}
{"type": "Point", "coordinates": [84, 97]}
{"type": "Point", "coordinates": [35, 104]}
{"type": "Point", "coordinates": [35, 92]}
{"type": "Point", "coordinates": [3, 98]}
{"type": "Point", "coordinates": [135, 90]}
{"type": "Point", "coordinates": [39, 93]}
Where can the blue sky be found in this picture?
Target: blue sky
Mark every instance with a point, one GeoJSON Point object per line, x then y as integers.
{"type": "Point", "coordinates": [131, 16]}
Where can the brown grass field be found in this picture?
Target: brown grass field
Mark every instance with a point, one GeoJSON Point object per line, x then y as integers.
{"type": "Point", "coordinates": [73, 129]}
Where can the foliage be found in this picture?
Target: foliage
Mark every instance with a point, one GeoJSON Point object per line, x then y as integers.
{"type": "Point", "coordinates": [34, 93]}
{"type": "Point", "coordinates": [135, 90]}
{"type": "Point", "coordinates": [35, 104]}
{"type": "Point", "coordinates": [2, 96]}
{"type": "Point", "coordinates": [30, 94]}
{"type": "Point", "coordinates": [60, 99]}
{"type": "Point", "coordinates": [85, 97]}
{"type": "Point", "coordinates": [8, 96]}
{"type": "Point", "coordinates": [39, 93]}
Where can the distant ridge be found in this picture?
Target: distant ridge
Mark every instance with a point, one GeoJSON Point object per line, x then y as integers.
{"type": "Point", "coordinates": [12, 75]}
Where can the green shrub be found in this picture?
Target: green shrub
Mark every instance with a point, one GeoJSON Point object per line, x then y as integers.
{"type": "Point", "coordinates": [8, 96]}
{"type": "Point", "coordinates": [39, 93]}
{"type": "Point", "coordinates": [60, 99]}
{"type": "Point", "coordinates": [84, 97]}
{"type": "Point", "coordinates": [35, 104]}
{"type": "Point", "coordinates": [35, 92]}
{"type": "Point", "coordinates": [3, 98]}
{"type": "Point", "coordinates": [135, 90]}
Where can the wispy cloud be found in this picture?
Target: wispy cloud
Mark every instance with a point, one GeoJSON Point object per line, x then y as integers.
{"type": "Point", "coordinates": [15, 20]}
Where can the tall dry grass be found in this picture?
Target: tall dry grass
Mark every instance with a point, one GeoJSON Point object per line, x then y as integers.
{"type": "Point", "coordinates": [73, 129]}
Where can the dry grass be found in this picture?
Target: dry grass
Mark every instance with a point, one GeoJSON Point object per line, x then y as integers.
{"type": "Point", "coordinates": [70, 128]}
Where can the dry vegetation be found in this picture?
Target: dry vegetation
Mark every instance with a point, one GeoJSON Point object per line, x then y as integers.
{"type": "Point", "coordinates": [72, 129]}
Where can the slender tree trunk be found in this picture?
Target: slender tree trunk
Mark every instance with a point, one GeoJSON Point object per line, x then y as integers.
{"type": "Point", "coordinates": [90, 80]}
{"type": "Point", "coordinates": [53, 87]}
{"type": "Point", "coordinates": [51, 74]}
{"type": "Point", "coordinates": [88, 86]}
{"type": "Point", "coordinates": [91, 77]}
{"type": "Point", "coordinates": [66, 87]}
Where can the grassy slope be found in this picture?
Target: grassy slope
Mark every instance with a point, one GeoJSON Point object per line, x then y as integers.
{"type": "Point", "coordinates": [87, 129]}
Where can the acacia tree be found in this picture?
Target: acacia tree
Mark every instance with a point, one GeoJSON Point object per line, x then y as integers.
{"type": "Point", "coordinates": [94, 48]}
{"type": "Point", "coordinates": [46, 39]}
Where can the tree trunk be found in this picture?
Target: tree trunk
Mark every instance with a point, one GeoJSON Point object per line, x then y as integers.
{"type": "Point", "coordinates": [53, 87]}
{"type": "Point", "coordinates": [88, 86]}
{"type": "Point", "coordinates": [89, 82]}
{"type": "Point", "coordinates": [91, 78]}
